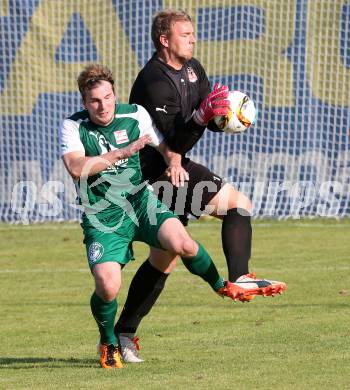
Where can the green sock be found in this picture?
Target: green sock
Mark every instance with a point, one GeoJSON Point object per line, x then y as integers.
{"type": "Point", "coordinates": [104, 314]}
{"type": "Point", "coordinates": [203, 266]}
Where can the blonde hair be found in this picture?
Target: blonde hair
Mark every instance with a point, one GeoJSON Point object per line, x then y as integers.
{"type": "Point", "coordinates": [163, 21]}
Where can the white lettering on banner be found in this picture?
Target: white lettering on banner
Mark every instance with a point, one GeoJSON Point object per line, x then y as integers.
{"type": "Point", "coordinates": [18, 171]}
{"type": "Point", "coordinates": [329, 193]}
{"type": "Point", "coordinates": [23, 199]}
{"type": "Point", "coordinates": [254, 177]}
{"type": "Point", "coordinates": [23, 186]}
{"type": "Point", "coordinates": [302, 195]}
{"type": "Point", "coordinates": [321, 192]}
{"type": "Point", "coordinates": [49, 204]}
{"type": "Point", "coordinates": [261, 166]}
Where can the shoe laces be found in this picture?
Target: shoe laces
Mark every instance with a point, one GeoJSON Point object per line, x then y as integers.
{"type": "Point", "coordinates": [251, 275]}
{"type": "Point", "coordinates": [111, 351]}
{"type": "Point", "coordinates": [135, 341]}
{"type": "Point", "coordinates": [130, 343]}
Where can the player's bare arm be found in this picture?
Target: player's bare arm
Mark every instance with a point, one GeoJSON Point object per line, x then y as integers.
{"type": "Point", "coordinates": [79, 165]}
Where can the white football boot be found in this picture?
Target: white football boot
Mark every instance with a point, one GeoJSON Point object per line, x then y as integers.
{"type": "Point", "coordinates": [129, 348]}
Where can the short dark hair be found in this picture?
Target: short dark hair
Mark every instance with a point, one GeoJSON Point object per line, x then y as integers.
{"type": "Point", "coordinates": [92, 75]}
{"type": "Point", "coordinates": [163, 21]}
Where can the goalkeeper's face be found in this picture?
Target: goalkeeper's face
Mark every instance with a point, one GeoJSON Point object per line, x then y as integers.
{"type": "Point", "coordinates": [100, 103]}
{"type": "Point", "coordinates": [181, 41]}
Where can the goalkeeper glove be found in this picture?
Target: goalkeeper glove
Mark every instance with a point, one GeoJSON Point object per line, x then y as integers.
{"type": "Point", "coordinates": [215, 104]}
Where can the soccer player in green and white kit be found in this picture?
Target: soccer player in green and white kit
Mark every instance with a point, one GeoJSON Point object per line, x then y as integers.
{"type": "Point", "coordinates": [100, 151]}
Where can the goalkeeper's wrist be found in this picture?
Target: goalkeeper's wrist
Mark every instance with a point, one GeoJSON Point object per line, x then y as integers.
{"type": "Point", "coordinates": [198, 118]}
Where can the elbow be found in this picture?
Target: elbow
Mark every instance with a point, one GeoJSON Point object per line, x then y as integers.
{"type": "Point", "coordinates": [75, 173]}
{"type": "Point", "coordinates": [74, 166]}
{"type": "Point", "coordinates": [75, 176]}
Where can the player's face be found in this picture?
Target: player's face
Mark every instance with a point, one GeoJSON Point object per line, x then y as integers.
{"type": "Point", "coordinates": [181, 41]}
{"type": "Point", "coordinates": [100, 102]}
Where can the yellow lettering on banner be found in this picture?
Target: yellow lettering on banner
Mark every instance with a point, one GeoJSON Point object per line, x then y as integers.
{"type": "Point", "coordinates": [35, 71]}
{"type": "Point", "coordinates": [4, 6]}
{"type": "Point", "coordinates": [327, 74]}
{"type": "Point", "coordinates": [263, 57]}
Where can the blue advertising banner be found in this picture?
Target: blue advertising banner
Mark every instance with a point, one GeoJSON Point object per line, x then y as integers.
{"type": "Point", "coordinates": [292, 57]}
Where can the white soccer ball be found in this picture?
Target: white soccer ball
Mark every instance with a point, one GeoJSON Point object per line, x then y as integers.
{"type": "Point", "coordinates": [241, 116]}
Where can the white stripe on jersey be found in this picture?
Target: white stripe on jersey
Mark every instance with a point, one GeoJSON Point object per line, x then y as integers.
{"type": "Point", "coordinates": [69, 137]}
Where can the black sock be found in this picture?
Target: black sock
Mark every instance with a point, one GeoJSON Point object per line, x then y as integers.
{"type": "Point", "coordinates": [236, 236]}
{"type": "Point", "coordinates": [144, 290]}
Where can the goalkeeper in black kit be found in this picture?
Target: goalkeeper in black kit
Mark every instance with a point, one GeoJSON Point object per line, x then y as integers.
{"type": "Point", "coordinates": [174, 89]}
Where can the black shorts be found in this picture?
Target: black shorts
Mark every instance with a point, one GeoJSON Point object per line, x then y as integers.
{"type": "Point", "coordinates": [198, 191]}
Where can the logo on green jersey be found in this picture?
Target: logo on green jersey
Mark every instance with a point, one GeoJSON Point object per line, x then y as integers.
{"type": "Point", "coordinates": [121, 137]}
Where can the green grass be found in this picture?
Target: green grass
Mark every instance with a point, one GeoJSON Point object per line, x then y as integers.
{"type": "Point", "coordinates": [192, 339]}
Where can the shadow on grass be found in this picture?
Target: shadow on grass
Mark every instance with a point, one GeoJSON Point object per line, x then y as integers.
{"type": "Point", "coordinates": [49, 362]}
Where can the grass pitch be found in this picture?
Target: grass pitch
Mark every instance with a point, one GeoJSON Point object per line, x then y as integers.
{"type": "Point", "coordinates": [192, 339]}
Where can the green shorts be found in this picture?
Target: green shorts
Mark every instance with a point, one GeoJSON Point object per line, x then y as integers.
{"type": "Point", "coordinates": [110, 238]}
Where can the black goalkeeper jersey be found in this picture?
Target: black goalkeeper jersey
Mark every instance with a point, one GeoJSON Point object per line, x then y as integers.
{"type": "Point", "coordinates": [170, 96]}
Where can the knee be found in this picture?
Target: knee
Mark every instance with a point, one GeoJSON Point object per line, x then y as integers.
{"type": "Point", "coordinates": [230, 198]}
{"type": "Point", "coordinates": [247, 207]}
{"type": "Point", "coordinates": [187, 247]}
{"type": "Point", "coordinates": [107, 280]}
{"type": "Point", "coordinates": [107, 290]}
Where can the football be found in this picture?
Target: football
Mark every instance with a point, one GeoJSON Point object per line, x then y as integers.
{"type": "Point", "coordinates": [241, 116]}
